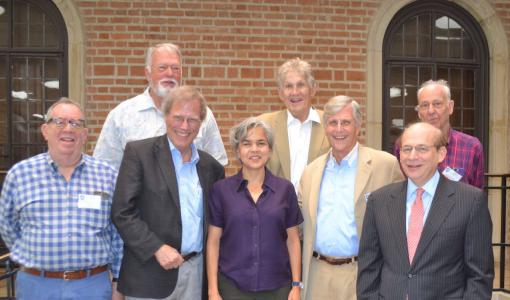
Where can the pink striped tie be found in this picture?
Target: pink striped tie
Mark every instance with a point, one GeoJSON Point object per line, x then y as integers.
{"type": "Point", "coordinates": [415, 224]}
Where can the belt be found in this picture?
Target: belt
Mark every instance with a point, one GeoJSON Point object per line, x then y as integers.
{"type": "Point", "coordinates": [189, 255]}
{"type": "Point", "coordinates": [334, 261]}
{"type": "Point", "coordinates": [66, 275]}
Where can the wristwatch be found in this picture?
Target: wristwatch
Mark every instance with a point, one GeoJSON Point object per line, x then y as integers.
{"type": "Point", "coordinates": [298, 283]}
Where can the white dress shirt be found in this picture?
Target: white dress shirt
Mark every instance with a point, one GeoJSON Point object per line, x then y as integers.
{"type": "Point", "coordinates": [299, 143]}
{"type": "Point", "coordinates": [138, 118]}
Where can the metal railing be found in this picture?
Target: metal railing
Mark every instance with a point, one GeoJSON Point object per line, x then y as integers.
{"type": "Point", "coordinates": [8, 275]}
{"type": "Point", "coordinates": [503, 245]}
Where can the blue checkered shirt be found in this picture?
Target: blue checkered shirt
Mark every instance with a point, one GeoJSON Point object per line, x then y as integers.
{"type": "Point", "coordinates": [42, 225]}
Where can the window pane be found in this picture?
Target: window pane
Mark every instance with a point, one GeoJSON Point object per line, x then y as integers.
{"type": "Point", "coordinates": [468, 118]}
{"type": "Point", "coordinates": [425, 74]}
{"type": "Point", "coordinates": [4, 36]}
{"type": "Point", "coordinates": [455, 39]}
{"type": "Point", "coordinates": [424, 36]}
{"type": "Point", "coordinates": [441, 37]}
{"type": "Point", "coordinates": [32, 28]}
{"type": "Point", "coordinates": [396, 44]}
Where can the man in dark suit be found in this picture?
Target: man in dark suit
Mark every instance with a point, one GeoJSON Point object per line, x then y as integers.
{"type": "Point", "coordinates": [160, 205]}
{"type": "Point", "coordinates": [427, 237]}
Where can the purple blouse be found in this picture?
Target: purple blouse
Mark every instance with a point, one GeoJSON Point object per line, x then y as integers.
{"type": "Point", "coordinates": [253, 245]}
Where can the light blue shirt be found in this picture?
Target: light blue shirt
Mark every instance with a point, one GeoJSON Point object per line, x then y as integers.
{"type": "Point", "coordinates": [336, 224]}
{"type": "Point", "coordinates": [190, 199]}
{"type": "Point", "coordinates": [428, 195]}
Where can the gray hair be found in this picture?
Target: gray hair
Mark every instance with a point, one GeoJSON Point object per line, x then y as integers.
{"type": "Point", "coordinates": [167, 46]}
{"type": "Point", "coordinates": [62, 100]}
{"type": "Point", "coordinates": [337, 103]}
{"type": "Point", "coordinates": [239, 132]}
{"type": "Point", "coordinates": [442, 83]}
{"type": "Point", "coordinates": [185, 93]}
{"type": "Point", "coordinates": [295, 65]}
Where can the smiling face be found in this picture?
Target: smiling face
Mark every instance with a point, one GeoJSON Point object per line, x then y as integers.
{"type": "Point", "coordinates": [419, 154]}
{"type": "Point", "coordinates": [164, 73]}
{"type": "Point", "coordinates": [434, 108]}
{"type": "Point", "coordinates": [65, 144]}
{"type": "Point", "coordinates": [297, 95]}
{"type": "Point", "coordinates": [183, 122]}
{"type": "Point", "coordinates": [254, 150]}
{"type": "Point", "coordinates": [342, 132]}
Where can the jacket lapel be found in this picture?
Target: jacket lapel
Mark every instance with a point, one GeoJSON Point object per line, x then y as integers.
{"type": "Point", "coordinates": [442, 203]}
{"type": "Point", "coordinates": [315, 187]}
{"type": "Point", "coordinates": [282, 148]}
{"type": "Point", "coordinates": [396, 215]}
{"type": "Point", "coordinates": [163, 156]}
{"type": "Point", "coordinates": [363, 173]}
{"type": "Point", "coordinates": [317, 139]}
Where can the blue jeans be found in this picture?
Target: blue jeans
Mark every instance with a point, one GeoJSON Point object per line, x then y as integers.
{"type": "Point", "coordinates": [31, 287]}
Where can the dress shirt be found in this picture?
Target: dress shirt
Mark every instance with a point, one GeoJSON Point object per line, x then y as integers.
{"type": "Point", "coordinates": [138, 118]}
{"type": "Point", "coordinates": [464, 154]}
{"type": "Point", "coordinates": [336, 223]}
{"type": "Point", "coordinates": [191, 200]}
{"type": "Point", "coordinates": [428, 195]}
{"type": "Point", "coordinates": [299, 143]}
{"type": "Point", "coordinates": [253, 245]}
{"type": "Point", "coordinates": [46, 224]}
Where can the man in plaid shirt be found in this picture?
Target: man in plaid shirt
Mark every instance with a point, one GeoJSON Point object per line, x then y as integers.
{"type": "Point", "coordinates": [55, 215]}
{"type": "Point", "coordinates": [464, 157]}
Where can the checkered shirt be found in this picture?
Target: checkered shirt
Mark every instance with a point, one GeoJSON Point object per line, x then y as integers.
{"type": "Point", "coordinates": [42, 225]}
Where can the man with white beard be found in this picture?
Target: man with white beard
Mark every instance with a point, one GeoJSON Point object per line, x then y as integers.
{"type": "Point", "coordinates": [141, 117]}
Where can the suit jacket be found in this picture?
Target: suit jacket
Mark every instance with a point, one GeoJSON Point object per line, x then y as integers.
{"type": "Point", "coordinates": [279, 163]}
{"type": "Point", "coordinates": [375, 169]}
{"type": "Point", "coordinates": [454, 256]}
{"type": "Point", "coordinates": [146, 211]}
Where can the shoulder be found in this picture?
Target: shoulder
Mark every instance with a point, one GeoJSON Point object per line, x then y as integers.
{"type": "Point", "coordinates": [145, 143]}
{"type": "Point", "coordinates": [376, 155]}
{"type": "Point", "coordinates": [208, 161]}
{"type": "Point", "coordinates": [30, 164]}
{"type": "Point", "coordinates": [99, 164]}
{"type": "Point", "coordinates": [392, 189]}
{"type": "Point", "coordinates": [465, 139]}
{"type": "Point", "coordinates": [278, 182]}
{"type": "Point", "coordinates": [272, 116]}
{"type": "Point", "coordinates": [317, 165]}
{"type": "Point", "coordinates": [126, 106]}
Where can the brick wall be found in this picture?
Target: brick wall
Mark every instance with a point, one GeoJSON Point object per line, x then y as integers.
{"type": "Point", "coordinates": [231, 50]}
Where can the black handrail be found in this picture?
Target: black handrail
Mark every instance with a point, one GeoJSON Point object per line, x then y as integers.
{"type": "Point", "coordinates": [502, 244]}
{"type": "Point", "coordinates": [9, 275]}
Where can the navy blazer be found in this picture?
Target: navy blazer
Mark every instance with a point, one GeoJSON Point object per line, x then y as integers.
{"type": "Point", "coordinates": [454, 257]}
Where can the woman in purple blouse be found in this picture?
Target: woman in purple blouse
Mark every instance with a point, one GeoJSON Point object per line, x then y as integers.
{"type": "Point", "coordinates": [253, 249]}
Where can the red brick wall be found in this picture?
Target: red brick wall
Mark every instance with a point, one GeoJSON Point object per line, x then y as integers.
{"type": "Point", "coordinates": [231, 50]}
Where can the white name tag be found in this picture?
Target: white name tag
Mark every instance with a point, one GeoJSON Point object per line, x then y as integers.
{"type": "Point", "coordinates": [89, 201]}
{"type": "Point", "coordinates": [451, 174]}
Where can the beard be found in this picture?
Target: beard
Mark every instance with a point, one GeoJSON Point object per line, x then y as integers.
{"type": "Point", "coordinates": [163, 91]}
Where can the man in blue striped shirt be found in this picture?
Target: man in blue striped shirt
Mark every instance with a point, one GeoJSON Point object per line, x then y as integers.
{"type": "Point", "coordinates": [55, 215]}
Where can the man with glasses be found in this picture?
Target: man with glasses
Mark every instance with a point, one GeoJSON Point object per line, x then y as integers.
{"type": "Point", "coordinates": [464, 159]}
{"type": "Point", "coordinates": [427, 237]}
{"type": "Point", "coordinates": [55, 215]}
{"type": "Point", "coordinates": [333, 192]}
{"type": "Point", "coordinates": [141, 117]}
{"type": "Point", "coordinates": [160, 204]}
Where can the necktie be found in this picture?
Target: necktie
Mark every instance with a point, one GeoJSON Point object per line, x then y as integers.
{"type": "Point", "coordinates": [415, 224]}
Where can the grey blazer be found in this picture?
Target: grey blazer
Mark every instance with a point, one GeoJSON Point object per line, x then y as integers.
{"type": "Point", "coordinates": [454, 257]}
{"type": "Point", "coordinates": [146, 211]}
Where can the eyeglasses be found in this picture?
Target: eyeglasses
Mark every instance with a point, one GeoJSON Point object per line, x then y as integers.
{"type": "Point", "coordinates": [162, 68]}
{"type": "Point", "coordinates": [192, 122]}
{"type": "Point", "coordinates": [425, 105]}
{"type": "Point", "coordinates": [61, 123]}
{"type": "Point", "coordinates": [421, 149]}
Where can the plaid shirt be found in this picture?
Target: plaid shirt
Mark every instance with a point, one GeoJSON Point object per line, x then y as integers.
{"type": "Point", "coordinates": [42, 225]}
{"type": "Point", "coordinates": [464, 155]}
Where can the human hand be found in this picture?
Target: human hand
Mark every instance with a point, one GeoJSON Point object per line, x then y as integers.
{"type": "Point", "coordinates": [168, 258]}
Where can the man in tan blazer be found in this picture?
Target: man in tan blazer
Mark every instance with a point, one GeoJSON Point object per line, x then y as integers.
{"type": "Point", "coordinates": [298, 136]}
{"type": "Point", "coordinates": [332, 194]}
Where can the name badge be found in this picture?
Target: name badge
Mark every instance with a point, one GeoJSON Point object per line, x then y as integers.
{"type": "Point", "coordinates": [451, 174]}
{"type": "Point", "coordinates": [89, 201]}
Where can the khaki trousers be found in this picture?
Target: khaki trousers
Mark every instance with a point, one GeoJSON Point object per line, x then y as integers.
{"type": "Point", "coordinates": [328, 282]}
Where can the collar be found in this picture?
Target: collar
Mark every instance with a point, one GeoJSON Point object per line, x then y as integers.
{"type": "Point", "coordinates": [241, 183]}
{"type": "Point", "coordinates": [145, 102]}
{"type": "Point", "coordinates": [429, 187]}
{"type": "Point", "coordinates": [350, 159]}
{"type": "Point", "coordinates": [84, 159]}
{"type": "Point", "coordinates": [313, 116]}
{"type": "Point", "coordinates": [194, 152]}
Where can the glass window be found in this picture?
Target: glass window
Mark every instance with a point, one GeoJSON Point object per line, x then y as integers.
{"type": "Point", "coordinates": [431, 40]}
